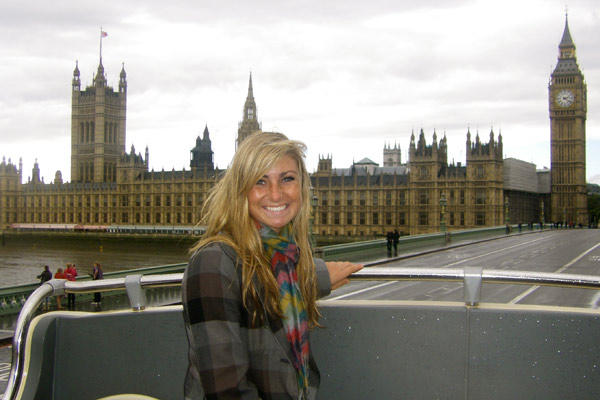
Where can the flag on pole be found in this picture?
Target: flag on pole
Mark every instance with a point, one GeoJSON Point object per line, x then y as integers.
{"type": "Point", "coordinates": [103, 34]}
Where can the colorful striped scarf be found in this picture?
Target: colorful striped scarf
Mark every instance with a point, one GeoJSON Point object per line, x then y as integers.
{"type": "Point", "coordinates": [283, 253]}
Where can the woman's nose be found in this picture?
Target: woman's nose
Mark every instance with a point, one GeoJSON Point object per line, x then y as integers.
{"type": "Point", "coordinates": [275, 192]}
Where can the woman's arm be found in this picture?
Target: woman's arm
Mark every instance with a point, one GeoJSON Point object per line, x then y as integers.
{"type": "Point", "coordinates": [216, 324]}
{"type": "Point", "coordinates": [323, 279]}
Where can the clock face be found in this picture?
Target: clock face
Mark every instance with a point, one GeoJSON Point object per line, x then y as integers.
{"type": "Point", "coordinates": [565, 98]}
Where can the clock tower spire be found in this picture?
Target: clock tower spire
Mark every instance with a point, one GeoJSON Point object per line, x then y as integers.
{"type": "Point", "coordinates": [567, 97]}
{"type": "Point", "coordinates": [249, 123]}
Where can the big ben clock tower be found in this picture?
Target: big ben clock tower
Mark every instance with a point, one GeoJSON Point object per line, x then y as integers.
{"type": "Point", "coordinates": [568, 108]}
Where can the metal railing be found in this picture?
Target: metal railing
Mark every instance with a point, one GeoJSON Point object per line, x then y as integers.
{"type": "Point", "coordinates": [13, 298]}
{"type": "Point", "coordinates": [135, 285]}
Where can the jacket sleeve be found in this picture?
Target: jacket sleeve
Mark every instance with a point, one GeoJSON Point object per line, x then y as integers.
{"type": "Point", "coordinates": [323, 280]}
{"type": "Point", "coordinates": [216, 324]}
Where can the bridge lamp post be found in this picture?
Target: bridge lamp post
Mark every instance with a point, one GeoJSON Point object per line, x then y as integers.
{"type": "Point", "coordinates": [443, 203]}
{"type": "Point", "coordinates": [506, 215]}
{"type": "Point", "coordinates": [313, 202]}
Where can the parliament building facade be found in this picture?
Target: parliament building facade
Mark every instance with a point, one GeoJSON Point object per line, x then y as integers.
{"type": "Point", "coordinates": [112, 186]}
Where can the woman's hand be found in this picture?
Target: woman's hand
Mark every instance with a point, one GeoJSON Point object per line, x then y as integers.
{"type": "Point", "coordinates": [339, 272]}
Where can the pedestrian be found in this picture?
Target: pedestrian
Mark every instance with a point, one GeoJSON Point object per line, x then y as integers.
{"type": "Point", "coordinates": [97, 274]}
{"type": "Point", "coordinates": [71, 274]}
{"type": "Point", "coordinates": [59, 275]}
{"type": "Point", "coordinates": [396, 239]}
{"type": "Point", "coordinates": [250, 289]}
{"type": "Point", "coordinates": [45, 276]}
{"type": "Point", "coordinates": [389, 242]}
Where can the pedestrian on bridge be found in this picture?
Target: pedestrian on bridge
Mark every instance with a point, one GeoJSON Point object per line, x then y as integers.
{"type": "Point", "coordinates": [250, 288]}
{"type": "Point", "coordinates": [97, 274]}
{"type": "Point", "coordinates": [59, 275]}
{"type": "Point", "coordinates": [45, 276]}
{"type": "Point", "coordinates": [71, 274]}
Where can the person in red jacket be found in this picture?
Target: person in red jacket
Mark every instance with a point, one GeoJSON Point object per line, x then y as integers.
{"type": "Point", "coordinates": [71, 274]}
{"type": "Point", "coordinates": [59, 275]}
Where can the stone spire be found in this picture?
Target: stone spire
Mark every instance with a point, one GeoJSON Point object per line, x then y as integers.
{"type": "Point", "coordinates": [76, 84]}
{"type": "Point", "coordinates": [123, 80]}
{"type": "Point", "coordinates": [249, 123]}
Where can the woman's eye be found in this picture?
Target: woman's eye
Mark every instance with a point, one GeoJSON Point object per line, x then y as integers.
{"type": "Point", "coordinates": [288, 178]}
{"type": "Point", "coordinates": [260, 182]}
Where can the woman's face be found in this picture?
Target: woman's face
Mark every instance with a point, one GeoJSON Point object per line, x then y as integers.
{"type": "Point", "coordinates": [275, 199]}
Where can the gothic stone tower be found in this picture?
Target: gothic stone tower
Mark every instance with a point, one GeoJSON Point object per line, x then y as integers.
{"type": "Point", "coordinates": [567, 94]}
{"type": "Point", "coordinates": [426, 163]}
{"type": "Point", "coordinates": [201, 156]}
{"type": "Point", "coordinates": [485, 181]}
{"type": "Point", "coordinates": [391, 156]}
{"type": "Point", "coordinates": [97, 128]}
{"type": "Point", "coordinates": [249, 123]}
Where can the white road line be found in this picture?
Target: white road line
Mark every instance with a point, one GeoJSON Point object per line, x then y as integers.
{"type": "Point", "coordinates": [492, 252]}
{"type": "Point", "coordinates": [558, 271]}
{"type": "Point", "coordinates": [362, 290]}
{"type": "Point", "coordinates": [445, 266]}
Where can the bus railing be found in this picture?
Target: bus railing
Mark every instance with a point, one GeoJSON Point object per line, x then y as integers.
{"type": "Point", "coordinates": [135, 286]}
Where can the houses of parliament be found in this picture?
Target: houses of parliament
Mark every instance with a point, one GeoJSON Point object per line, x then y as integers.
{"type": "Point", "coordinates": [112, 186]}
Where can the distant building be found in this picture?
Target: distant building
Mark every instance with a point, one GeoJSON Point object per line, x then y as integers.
{"type": "Point", "coordinates": [112, 187]}
{"type": "Point", "coordinates": [249, 123]}
{"type": "Point", "coordinates": [567, 98]}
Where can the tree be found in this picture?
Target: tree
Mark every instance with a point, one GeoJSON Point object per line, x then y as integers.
{"type": "Point", "coordinates": [594, 208]}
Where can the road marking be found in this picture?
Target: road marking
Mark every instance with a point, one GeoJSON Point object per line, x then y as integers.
{"type": "Point", "coordinates": [492, 252]}
{"type": "Point", "coordinates": [362, 290]}
{"type": "Point", "coordinates": [558, 271]}
{"type": "Point", "coordinates": [445, 266]}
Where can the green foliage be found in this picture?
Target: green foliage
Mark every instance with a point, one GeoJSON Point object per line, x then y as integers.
{"type": "Point", "coordinates": [594, 207]}
{"type": "Point", "coordinates": [593, 188]}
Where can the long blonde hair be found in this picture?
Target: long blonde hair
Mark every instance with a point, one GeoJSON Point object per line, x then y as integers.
{"type": "Point", "coordinates": [227, 220]}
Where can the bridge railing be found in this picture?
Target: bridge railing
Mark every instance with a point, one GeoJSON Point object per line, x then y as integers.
{"type": "Point", "coordinates": [12, 298]}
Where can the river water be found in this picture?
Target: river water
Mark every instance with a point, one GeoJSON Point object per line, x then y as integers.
{"type": "Point", "coordinates": [22, 259]}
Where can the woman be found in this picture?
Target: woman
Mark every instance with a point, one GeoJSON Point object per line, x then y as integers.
{"type": "Point", "coordinates": [71, 275]}
{"type": "Point", "coordinates": [59, 275]}
{"type": "Point", "coordinates": [96, 275]}
{"type": "Point", "coordinates": [250, 289]}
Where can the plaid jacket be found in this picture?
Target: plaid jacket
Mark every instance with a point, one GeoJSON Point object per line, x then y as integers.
{"type": "Point", "coordinates": [228, 359]}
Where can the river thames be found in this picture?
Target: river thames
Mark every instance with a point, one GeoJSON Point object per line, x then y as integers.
{"type": "Point", "coordinates": [23, 259]}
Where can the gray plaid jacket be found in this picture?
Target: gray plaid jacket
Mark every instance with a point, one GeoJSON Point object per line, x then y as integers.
{"type": "Point", "coordinates": [229, 359]}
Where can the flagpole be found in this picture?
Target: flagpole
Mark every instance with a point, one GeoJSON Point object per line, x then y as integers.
{"type": "Point", "coordinates": [100, 44]}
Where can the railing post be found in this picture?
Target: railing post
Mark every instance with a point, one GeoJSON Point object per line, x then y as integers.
{"type": "Point", "coordinates": [137, 295]}
{"type": "Point", "coordinates": [472, 285]}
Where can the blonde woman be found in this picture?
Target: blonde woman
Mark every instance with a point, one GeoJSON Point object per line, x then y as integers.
{"type": "Point", "coordinates": [251, 286]}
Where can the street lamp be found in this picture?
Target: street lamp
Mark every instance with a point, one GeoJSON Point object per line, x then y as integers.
{"type": "Point", "coordinates": [313, 203]}
{"type": "Point", "coordinates": [443, 203]}
{"type": "Point", "coordinates": [506, 215]}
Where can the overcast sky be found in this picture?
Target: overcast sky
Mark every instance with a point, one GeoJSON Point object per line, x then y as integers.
{"type": "Point", "coordinates": [345, 77]}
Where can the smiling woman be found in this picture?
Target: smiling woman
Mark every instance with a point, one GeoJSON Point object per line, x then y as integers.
{"type": "Point", "coordinates": [250, 289]}
{"type": "Point", "coordinates": [275, 199]}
